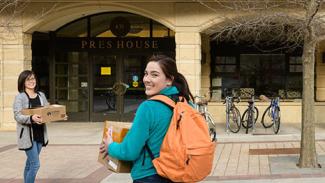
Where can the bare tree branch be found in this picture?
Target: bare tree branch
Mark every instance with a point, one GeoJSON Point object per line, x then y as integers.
{"type": "Point", "coordinates": [311, 14]}
{"type": "Point", "coordinates": [12, 13]}
{"type": "Point", "coordinates": [10, 10]}
{"type": "Point", "coordinates": [262, 23]}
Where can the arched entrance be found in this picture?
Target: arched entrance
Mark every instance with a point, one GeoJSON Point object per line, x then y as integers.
{"type": "Point", "coordinates": [96, 63]}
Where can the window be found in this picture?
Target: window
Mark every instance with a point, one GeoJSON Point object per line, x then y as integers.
{"type": "Point", "coordinates": [114, 23]}
{"type": "Point", "coordinates": [101, 25]}
{"type": "Point", "coordinates": [262, 72]}
{"type": "Point", "coordinates": [294, 79]}
{"type": "Point", "coordinates": [259, 74]}
{"type": "Point", "coordinates": [225, 64]}
{"type": "Point", "coordinates": [295, 64]}
{"type": "Point", "coordinates": [159, 30]}
{"type": "Point", "coordinates": [225, 71]}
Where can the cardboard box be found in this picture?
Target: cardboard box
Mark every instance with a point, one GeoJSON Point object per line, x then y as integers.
{"type": "Point", "coordinates": [48, 113]}
{"type": "Point", "coordinates": [119, 130]}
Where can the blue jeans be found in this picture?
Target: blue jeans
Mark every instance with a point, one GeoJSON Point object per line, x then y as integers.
{"type": "Point", "coordinates": [152, 179]}
{"type": "Point", "coordinates": [32, 162]}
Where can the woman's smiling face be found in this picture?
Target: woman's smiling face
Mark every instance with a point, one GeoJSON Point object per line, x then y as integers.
{"type": "Point", "coordinates": [154, 79]}
{"type": "Point", "coordinates": [30, 82]}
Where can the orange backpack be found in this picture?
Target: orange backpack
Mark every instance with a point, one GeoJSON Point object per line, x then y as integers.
{"type": "Point", "coordinates": [186, 154]}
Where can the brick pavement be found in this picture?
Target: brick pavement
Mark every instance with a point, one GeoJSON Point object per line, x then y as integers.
{"type": "Point", "coordinates": [66, 163]}
{"type": "Point", "coordinates": [238, 161]}
{"type": "Point", "coordinates": [234, 162]}
{"type": "Point", "coordinates": [71, 156]}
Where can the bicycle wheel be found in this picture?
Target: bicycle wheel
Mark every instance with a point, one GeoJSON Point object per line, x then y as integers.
{"type": "Point", "coordinates": [267, 118]}
{"type": "Point", "coordinates": [256, 113]}
{"type": "Point", "coordinates": [277, 119]}
{"type": "Point", "coordinates": [110, 102]}
{"type": "Point", "coordinates": [213, 134]}
{"type": "Point", "coordinates": [246, 118]}
{"type": "Point", "coordinates": [234, 120]}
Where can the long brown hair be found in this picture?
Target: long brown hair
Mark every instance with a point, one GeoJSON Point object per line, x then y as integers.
{"type": "Point", "coordinates": [168, 66]}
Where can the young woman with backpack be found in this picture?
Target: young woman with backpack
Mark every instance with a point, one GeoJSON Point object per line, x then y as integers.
{"type": "Point", "coordinates": [151, 120]}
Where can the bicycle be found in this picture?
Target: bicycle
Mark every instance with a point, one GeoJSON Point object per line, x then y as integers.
{"type": "Point", "coordinates": [233, 120]}
{"type": "Point", "coordinates": [110, 100]}
{"type": "Point", "coordinates": [250, 115]}
{"type": "Point", "coordinates": [201, 105]}
{"type": "Point", "coordinates": [271, 116]}
{"type": "Point", "coordinates": [118, 89]}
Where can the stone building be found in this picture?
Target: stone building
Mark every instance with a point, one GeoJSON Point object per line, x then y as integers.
{"type": "Point", "coordinates": [82, 50]}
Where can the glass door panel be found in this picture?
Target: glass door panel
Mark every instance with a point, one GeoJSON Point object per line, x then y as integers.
{"type": "Point", "coordinates": [105, 105]}
{"type": "Point", "coordinates": [71, 84]}
{"type": "Point", "coordinates": [133, 71]}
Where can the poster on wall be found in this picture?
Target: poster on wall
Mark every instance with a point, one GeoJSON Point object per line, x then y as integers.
{"type": "Point", "coordinates": [105, 71]}
{"type": "Point", "coordinates": [135, 82]}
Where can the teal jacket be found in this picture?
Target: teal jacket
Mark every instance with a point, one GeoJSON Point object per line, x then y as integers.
{"type": "Point", "coordinates": [150, 125]}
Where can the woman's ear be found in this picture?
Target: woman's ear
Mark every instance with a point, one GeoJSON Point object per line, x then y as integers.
{"type": "Point", "coordinates": [170, 81]}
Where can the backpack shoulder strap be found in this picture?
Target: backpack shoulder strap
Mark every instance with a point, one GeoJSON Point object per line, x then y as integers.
{"type": "Point", "coordinates": [171, 104]}
{"type": "Point", "coordinates": [166, 100]}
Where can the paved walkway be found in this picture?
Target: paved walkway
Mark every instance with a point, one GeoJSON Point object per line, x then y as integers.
{"type": "Point", "coordinates": [71, 156]}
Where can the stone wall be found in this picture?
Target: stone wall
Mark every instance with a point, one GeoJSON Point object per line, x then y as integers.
{"type": "Point", "coordinates": [205, 66]}
{"type": "Point", "coordinates": [15, 56]}
{"type": "Point", "coordinates": [188, 58]}
{"type": "Point", "coordinates": [320, 72]}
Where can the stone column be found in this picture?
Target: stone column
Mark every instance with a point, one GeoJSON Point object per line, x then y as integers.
{"type": "Point", "coordinates": [320, 72]}
{"type": "Point", "coordinates": [15, 56]}
{"type": "Point", "coordinates": [206, 66]}
{"type": "Point", "coordinates": [188, 57]}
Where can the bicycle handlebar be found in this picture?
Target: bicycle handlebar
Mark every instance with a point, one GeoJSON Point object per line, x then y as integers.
{"type": "Point", "coordinates": [232, 99]}
{"type": "Point", "coordinates": [202, 100]}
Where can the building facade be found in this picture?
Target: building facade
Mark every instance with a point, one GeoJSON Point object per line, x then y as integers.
{"type": "Point", "coordinates": [90, 56]}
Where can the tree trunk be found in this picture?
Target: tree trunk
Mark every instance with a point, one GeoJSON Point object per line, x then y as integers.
{"type": "Point", "coordinates": [308, 156]}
